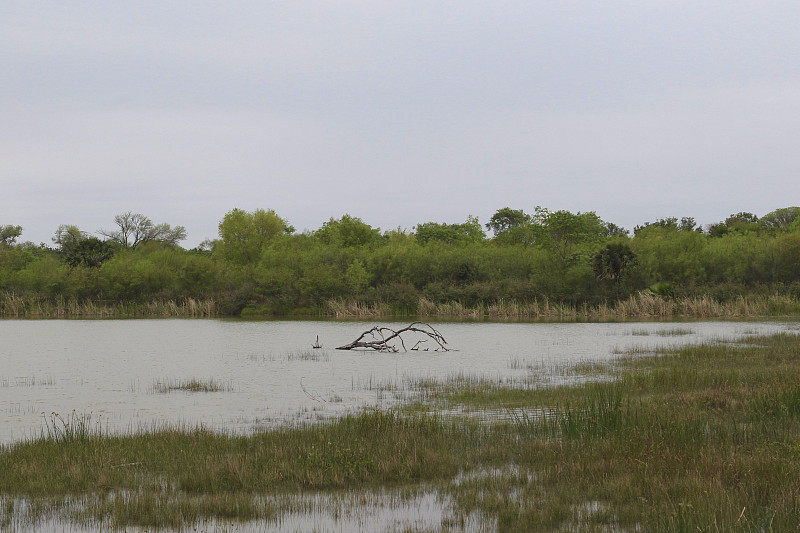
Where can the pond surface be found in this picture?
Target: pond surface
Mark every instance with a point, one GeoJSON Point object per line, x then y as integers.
{"type": "Point", "coordinates": [123, 373]}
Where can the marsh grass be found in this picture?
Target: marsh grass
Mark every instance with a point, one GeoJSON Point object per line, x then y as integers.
{"type": "Point", "coordinates": [665, 332]}
{"type": "Point", "coordinates": [27, 381]}
{"type": "Point", "coordinates": [349, 308]}
{"type": "Point", "coordinates": [590, 369]}
{"type": "Point", "coordinates": [14, 305]}
{"type": "Point", "coordinates": [190, 385]}
{"type": "Point", "coordinates": [640, 306]}
{"type": "Point", "coordinates": [643, 305]}
{"type": "Point", "coordinates": [701, 438]}
{"type": "Point", "coordinates": [315, 355]}
{"type": "Point", "coordinates": [673, 332]}
{"type": "Point", "coordinates": [74, 427]}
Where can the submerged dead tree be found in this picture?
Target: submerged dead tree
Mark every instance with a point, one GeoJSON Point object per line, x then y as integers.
{"type": "Point", "coordinates": [383, 339]}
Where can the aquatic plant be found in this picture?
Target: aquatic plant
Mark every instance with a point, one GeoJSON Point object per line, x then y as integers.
{"type": "Point", "coordinates": [190, 385]}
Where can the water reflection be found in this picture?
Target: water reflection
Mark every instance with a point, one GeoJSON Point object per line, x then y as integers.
{"type": "Point", "coordinates": [365, 511]}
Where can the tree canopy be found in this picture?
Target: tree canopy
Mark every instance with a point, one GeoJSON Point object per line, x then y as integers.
{"type": "Point", "coordinates": [468, 232]}
{"type": "Point", "coordinates": [258, 262]}
{"type": "Point", "coordinates": [9, 234]}
{"type": "Point", "coordinates": [134, 229]}
{"type": "Point", "coordinates": [244, 235]}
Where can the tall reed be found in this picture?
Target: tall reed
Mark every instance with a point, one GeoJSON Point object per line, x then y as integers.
{"type": "Point", "coordinates": [643, 305]}
{"type": "Point", "coordinates": [342, 308]}
{"type": "Point", "coordinates": [13, 305]}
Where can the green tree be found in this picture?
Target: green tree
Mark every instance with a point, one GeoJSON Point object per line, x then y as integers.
{"type": "Point", "coordinates": [470, 231]}
{"type": "Point", "coordinates": [90, 252]}
{"type": "Point", "coordinates": [567, 234]}
{"type": "Point", "coordinates": [739, 222]}
{"type": "Point", "coordinates": [349, 231]}
{"type": "Point", "coordinates": [67, 236]}
{"type": "Point", "coordinates": [780, 219]}
{"type": "Point", "coordinates": [511, 226]}
{"type": "Point", "coordinates": [506, 219]}
{"type": "Point", "coordinates": [76, 247]}
{"type": "Point", "coordinates": [665, 253]}
{"type": "Point", "coordinates": [612, 230]}
{"type": "Point", "coordinates": [44, 275]}
{"type": "Point", "coordinates": [9, 234]}
{"type": "Point", "coordinates": [685, 224]}
{"type": "Point", "coordinates": [243, 235]}
{"type": "Point", "coordinates": [613, 261]}
{"type": "Point", "coordinates": [356, 277]}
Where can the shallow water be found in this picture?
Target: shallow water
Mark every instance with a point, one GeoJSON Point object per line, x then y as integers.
{"type": "Point", "coordinates": [115, 371]}
{"type": "Point", "coordinates": [367, 512]}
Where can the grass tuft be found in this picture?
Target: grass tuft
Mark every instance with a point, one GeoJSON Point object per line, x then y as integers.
{"type": "Point", "coordinates": [190, 385]}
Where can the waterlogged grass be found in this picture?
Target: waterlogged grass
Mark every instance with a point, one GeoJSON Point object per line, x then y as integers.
{"type": "Point", "coordinates": [668, 332]}
{"type": "Point", "coordinates": [160, 474]}
{"type": "Point", "coordinates": [701, 438]}
{"type": "Point", "coordinates": [315, 355]}
{"type": "Point", "coordinates": [27, 381]}
{"type": "Point", "coordinates": [190, 385]}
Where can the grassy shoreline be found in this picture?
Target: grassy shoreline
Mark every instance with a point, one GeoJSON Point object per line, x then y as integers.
{"type": "Point", "coordinates": [701, 438]}
{"type": "Point", "coordinates": [641, 306]}
{"type": "Point", "coordinates": [13, 305]}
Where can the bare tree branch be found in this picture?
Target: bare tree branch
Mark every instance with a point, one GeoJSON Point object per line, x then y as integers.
{"type": "Point", "coordinates": [379, 337]}
{"type": "Point", "coordinates": [135, 229]}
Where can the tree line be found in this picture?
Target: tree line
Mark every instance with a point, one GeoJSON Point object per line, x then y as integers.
{"type": "Point", "coordinates": [260, 264]}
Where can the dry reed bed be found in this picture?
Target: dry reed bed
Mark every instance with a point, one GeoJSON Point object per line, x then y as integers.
{"type": "Point", "coordinates": [639, 306]}
{"type": "Point", "coordinates": [13, 305]}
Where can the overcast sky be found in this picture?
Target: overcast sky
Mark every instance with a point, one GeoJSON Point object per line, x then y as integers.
{"type": "Point", "coordinates": [396, 112]}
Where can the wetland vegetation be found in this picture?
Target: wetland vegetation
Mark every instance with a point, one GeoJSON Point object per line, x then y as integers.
{"type": "Point", "coordinates": [550, 265]}
{"type": "Point", "coordinates": [697, 438]}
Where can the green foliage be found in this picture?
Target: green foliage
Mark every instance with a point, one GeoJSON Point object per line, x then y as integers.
{"type": "Point", "coordinates": [569, 237]}
{"type": "Point", "coordinates": [468, 232]}
{"type": "Point", "coordinates": [12, 260]}
{"type": "Point", "coordinates": [68, 235]}
{"type": "Point", "coordinates": [76, 247]}
{"type": "Point", "coordinates": [612, 230]}
{"type": "Point", "coordinates": [668, 254]}
{"type": "Point", "coordinates": [670, 223]}
{"type": "Point", "coordinates": [512, 226]}
{"type": "Point", "coordinates": [356, 277]}
{"type": "Point", "coordinates": [613, 261]}
{"type": "Point", "coordinates": [45, 275]}
{"type": "Point", "coordinates": [9, 234]}
{"type": "Point", "coordinates": [260, 266]}
{"type": "Point", "coordinates": [506, 219]}
{"type": "Point", "coordinates": [349, 231]}
{"type": "Point", "coordinates": [740, 223]}
{"type": "Point", "coordinates": [90, 252]}
{"type": "Point", "coordinates": [662, 288]}
{"type": "Point", "coordinates": [780, 219]}
{"type": "Point", "coordinates": [244, 235]}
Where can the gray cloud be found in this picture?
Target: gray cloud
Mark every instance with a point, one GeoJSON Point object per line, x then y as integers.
{"type": "Point", "coordinates": [397, 112]}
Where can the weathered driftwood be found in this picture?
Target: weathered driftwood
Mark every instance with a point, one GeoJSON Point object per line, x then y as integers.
{"type": "Point", "coordinates": [379, 338]}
